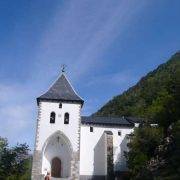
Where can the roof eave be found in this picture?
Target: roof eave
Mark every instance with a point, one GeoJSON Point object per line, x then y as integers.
{"type": "Point", "coordinates": [39, 99]}
{"type": "Point", "coordinates": [107, 124]}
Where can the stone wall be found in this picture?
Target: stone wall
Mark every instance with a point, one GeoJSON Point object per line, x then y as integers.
{"type": "Point", "coordinates": [75, 166]}
{"type": "Point", "coordinates": [37, 156]}
{"type": "Point", "coordinates": [36, 166]}
{"type": "Point", "coordinates": [110, 164]}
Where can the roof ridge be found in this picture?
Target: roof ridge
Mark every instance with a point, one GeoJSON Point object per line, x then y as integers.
{"type": "Point", "coordinates": [72, 86]}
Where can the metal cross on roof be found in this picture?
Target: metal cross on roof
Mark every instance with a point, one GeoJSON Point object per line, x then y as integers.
{"type": "Point", "coordinates": [63, 66]}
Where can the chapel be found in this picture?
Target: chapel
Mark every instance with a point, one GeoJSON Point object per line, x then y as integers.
{"type": "Point", "coordinates": [71, 146]}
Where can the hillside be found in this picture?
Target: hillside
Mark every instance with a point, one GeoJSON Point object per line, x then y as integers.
{"type": "Point", "coordinates": [143, 98]}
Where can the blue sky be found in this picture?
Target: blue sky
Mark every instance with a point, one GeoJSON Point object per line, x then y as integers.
{"type": "Point", "coordinates": [107, 45]}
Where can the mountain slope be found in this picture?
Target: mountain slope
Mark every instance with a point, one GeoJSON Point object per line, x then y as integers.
{"type": "Point", "coordinates": [140, 99]}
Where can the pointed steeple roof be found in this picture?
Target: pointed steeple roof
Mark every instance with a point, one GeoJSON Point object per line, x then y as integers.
{"type": "Point", "coordinates": [61, 90]}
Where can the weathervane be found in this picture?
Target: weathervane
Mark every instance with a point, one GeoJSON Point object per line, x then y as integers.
{"type": "Point", "coordinates": [63, 67]}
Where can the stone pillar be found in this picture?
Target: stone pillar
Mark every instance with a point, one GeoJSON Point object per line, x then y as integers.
{"type": "Point", "coordinates": [36, 166]}
{"type": "Point", "coordinates": [110, 163]}
{"type": "Point", "coordinates": [37, 156]}
{"type": "Point", "coordinates": [75, 166]}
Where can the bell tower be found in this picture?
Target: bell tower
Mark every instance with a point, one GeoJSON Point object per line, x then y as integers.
{"type": "Point", "coordinates": [58, 132]}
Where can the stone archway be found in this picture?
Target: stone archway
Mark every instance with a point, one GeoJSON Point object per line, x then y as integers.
{"type": "Point", "coordinates": [56, 167]}
{"type": "Point", "coordinates": [57, 156]}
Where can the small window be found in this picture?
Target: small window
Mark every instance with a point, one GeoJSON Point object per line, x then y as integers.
{"type": "Point", "coordinates": [91, 129]}
{"type": "Point", "coordinates": [66, 118]}
{"type": "Point", "coordinates": [119, 133]}
{"type": "Point", "coordinates": [52, 117]}
{"type": "Point", "coordinates": [60, 105]}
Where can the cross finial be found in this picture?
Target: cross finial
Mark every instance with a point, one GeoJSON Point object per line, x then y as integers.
{"type": "Point", "coordinates": [63, 67]}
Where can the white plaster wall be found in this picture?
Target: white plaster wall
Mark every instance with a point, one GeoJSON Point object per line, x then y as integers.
{"type": "Point", "coordinates": [90, 139]}
{"type": "Point", "coordinates": [45, 129]}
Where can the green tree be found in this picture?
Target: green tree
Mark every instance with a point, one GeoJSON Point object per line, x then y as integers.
{"type": "Point", "coordinates": [171, 170]}
{"type": "Point", "coordinates": [141, 148]}
{"type": "Point", "coordinates": [15, 162]}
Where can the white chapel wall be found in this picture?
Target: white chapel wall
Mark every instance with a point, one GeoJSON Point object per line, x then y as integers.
{"type": "Point", "coordinates": [46, 129]}
{"type": "Point", "coordinates": [88, 142]}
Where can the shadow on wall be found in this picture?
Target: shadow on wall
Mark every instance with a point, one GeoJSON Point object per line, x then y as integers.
{"type": "Point", "coordinates": [100, 163]}
{"type": "Point", "coordinates": [103, 157]}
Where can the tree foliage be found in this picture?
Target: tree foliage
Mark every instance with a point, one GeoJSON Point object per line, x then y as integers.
{"type": "Point", "coordinates": [153, 156]}
{"type": "Point", "coordinates": [15, 162]}
{"type": "Point", "coordinates": [142, 147]}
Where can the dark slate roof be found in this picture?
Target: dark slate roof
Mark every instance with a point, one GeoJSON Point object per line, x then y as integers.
{"type": "Point", "coordinates": [135, 120]}
{"type": "Point", "coordinates": [61, 90]}
{"type": "Point", "coordinates": [109, 121]}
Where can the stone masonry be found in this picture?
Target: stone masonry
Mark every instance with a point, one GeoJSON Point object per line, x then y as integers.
{"type": "Point", "coordinates": [110, 164]}
{"type": "Point", "coordinates": [36, 168]}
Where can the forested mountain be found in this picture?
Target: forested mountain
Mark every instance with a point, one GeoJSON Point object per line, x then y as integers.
{"type": "Point", "coordinates": [149, 93]}
{"type": "Point", "coordinates": [153, 151]}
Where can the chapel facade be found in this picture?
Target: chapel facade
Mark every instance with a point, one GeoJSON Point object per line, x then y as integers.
{"type": "Point", "coordinates": [71, 146]}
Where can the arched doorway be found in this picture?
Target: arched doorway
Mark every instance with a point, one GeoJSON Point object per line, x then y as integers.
{"type": "Point", "coordinates": [57, 146]}
{"type": "Point", "coordinates": [56, 167]}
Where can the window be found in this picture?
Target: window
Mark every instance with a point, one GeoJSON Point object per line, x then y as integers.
{"type": "Point", "coordinates": [119, 133]}
{"type": "Point", "coordinates": [66, 118]}
{"type": "Point", "coordinates": [52, 117]}
{"type": "Point", "coordinates": [60, 105]}
{"type": "Point", "coordinates": [91, 129]}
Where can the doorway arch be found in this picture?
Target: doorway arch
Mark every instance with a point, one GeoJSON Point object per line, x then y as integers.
{"type": "Point", "coordinates": [56, 167]}
{"type": "Point", "coordinates": [57, 146]}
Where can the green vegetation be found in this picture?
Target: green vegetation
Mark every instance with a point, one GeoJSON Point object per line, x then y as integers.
{"type": "Point", "coordinates": [142, 148]}
{"type": "Point", "coordinates": [15, 162]}
{"type": "Point", "coordinates": [171, 170]}
{"type": "Point", "coordinates": [152, 156]}
{"type": "Point", "coordinates": [142, 100]}
{"type": "Point", "coordinates": [153, 151]}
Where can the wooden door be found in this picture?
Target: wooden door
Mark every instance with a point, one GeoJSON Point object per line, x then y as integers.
{"type": "Point", "coordinates": [56, 167]}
